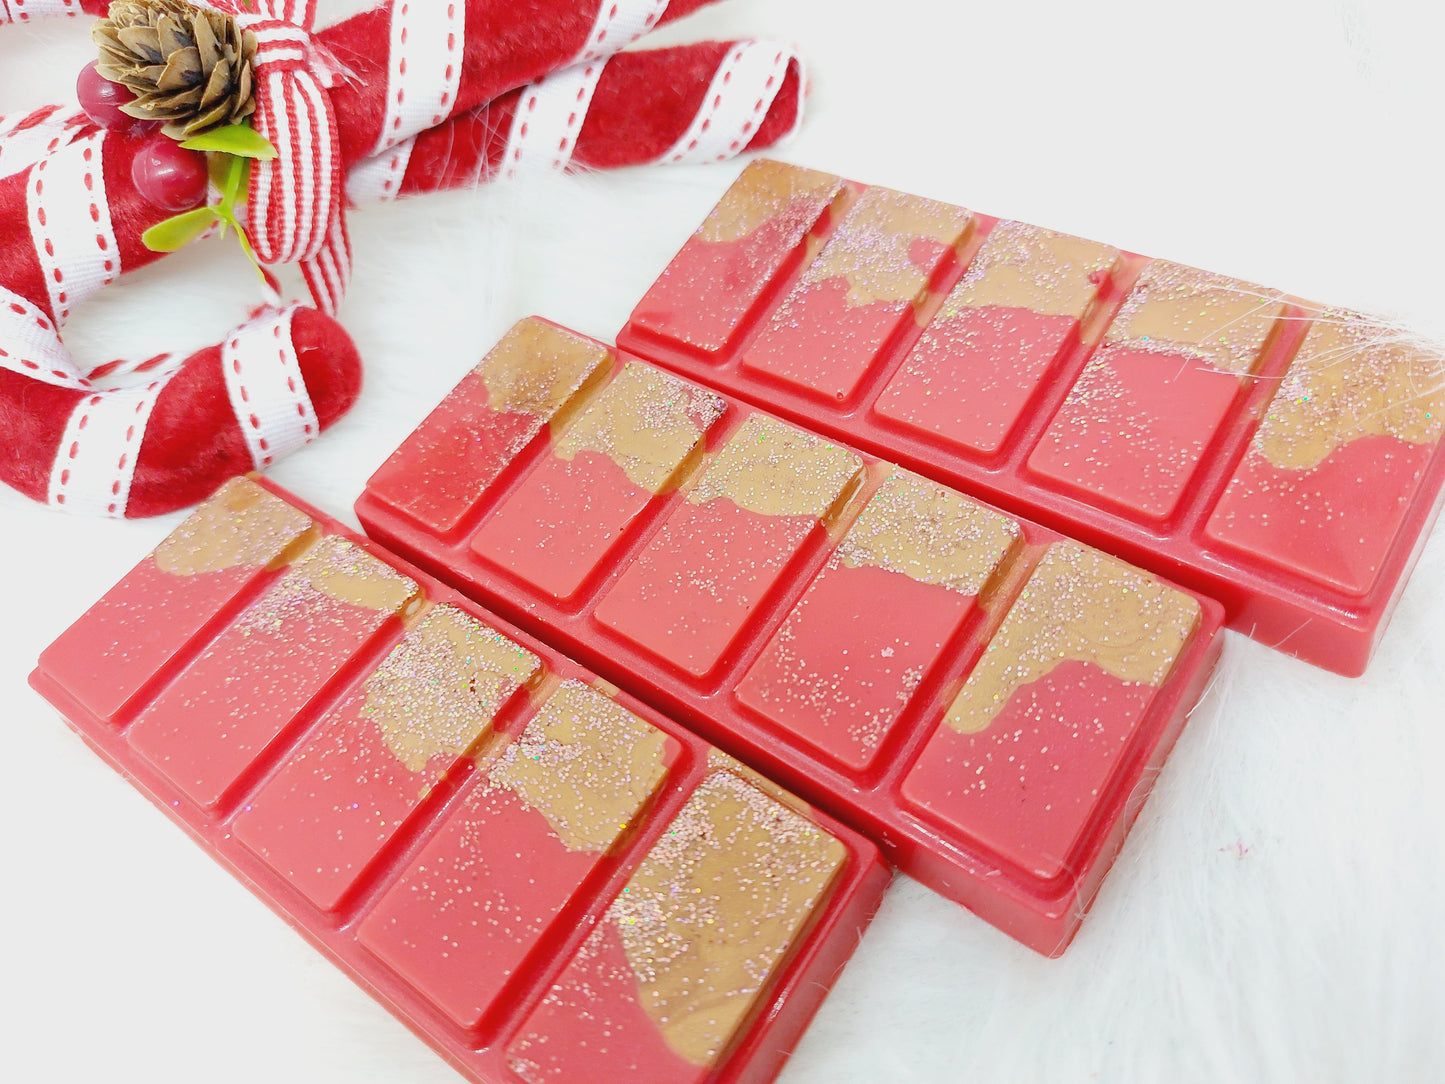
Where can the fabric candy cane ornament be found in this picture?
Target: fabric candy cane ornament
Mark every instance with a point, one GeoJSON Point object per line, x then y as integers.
{"type": "Point", "coordinates": [412, 96]}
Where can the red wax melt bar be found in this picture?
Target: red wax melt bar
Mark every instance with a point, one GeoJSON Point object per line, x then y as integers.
{"type": "Point", "coordinates": [1141, 406]}
{"type": "Point", "coordinates": [454, 813]}
{"type": "Point", "coordinates": [817, 613]}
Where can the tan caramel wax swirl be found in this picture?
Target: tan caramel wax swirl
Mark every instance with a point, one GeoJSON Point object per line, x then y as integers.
{"type": "Point", "coordinates": [437, 691]}
{"type": "Point", "coordinates": [762, 191]}
{"type": "Point", "coordinates": [1183, 310]}
{"type": "Point", "coordinates": [333, 570]}
{"type": "Point", "coordinates": [714, 908]}
{"type": "Point", "coordinates": [585, 763]}
{"type": "Point", "coordinates": [1352, 378]}
{"type": "Point", "coordinates": [1082, 606]}
{"type": "Point", "coordinates": [775, 470]}
{"type": "Point", "coordinates": [929, 533]}
{"type": "Point", "coordinates": [646, 421]}
{"type": "Point", "coordinates": [872, 246]}
{"type": "Point", "coordinates": [537, 368]}
{"type": "Point", "coordinates": [1027, 267]}
{"type": "Point", "coordinates": [241, 524]}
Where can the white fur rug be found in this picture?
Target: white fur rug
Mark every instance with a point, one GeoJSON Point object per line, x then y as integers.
{"type": "Point", "coordinates": [1276, 915]}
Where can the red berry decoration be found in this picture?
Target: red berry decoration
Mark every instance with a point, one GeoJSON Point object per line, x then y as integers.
{"type": "Point", "coordinates": [169, 176]}
{"type": "Point", "coordinates": [101, 99]}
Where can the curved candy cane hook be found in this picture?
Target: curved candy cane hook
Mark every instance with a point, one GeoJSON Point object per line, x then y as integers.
{"type": "Point", "coordinates": [70, 224]}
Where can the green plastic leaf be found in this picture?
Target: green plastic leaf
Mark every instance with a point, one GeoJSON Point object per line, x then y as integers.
{"type": "Point", "coordinates": [239, 139]}
{"type": "Point", "coordinates": [180, 231]}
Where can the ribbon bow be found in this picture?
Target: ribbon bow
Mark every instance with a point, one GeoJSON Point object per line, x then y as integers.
{"type": "Point", "coordinates": [296, 199]}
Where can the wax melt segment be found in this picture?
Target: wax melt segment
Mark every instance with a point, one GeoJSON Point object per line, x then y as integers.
{"type": "Point", "coordinates": [1135, 427]}
{"type": "Point", "coordinates": [677, 964]}
{"type": "Point", "coordinates": [746, 241]}
{"type": "Point", "coordinates": [858, 292]}
{"type": "Point", "coordinates": [222, 548]}
{"type": "Point", "coordinates": [624, 449]}
{"type": "Point", "coordinates": [844, 664]}
{"type": "Point", "coordinates": [229, 705]}
{"type": "Point", "coordinates": [1000, 330]}
{"type": "Point", "coordinates": [1026, 751]}
{"type": "Point", "coordinates": [497, 409]}
{"type": "Point", "coordinates": [473, 904]}
{"type": "Point", "coordinates": [430, 701]}
{"type": "Point", "coordinates": [727, 542]}
{"type": "Point", "coordinates": [1341, 453]}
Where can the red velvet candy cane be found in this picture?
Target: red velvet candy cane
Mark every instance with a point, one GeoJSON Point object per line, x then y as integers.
{"type": "Point", "coordinates": [724, 98]}
{"type": "Point", "coordinates": [85, 442]}
{"type": "Point", "coordinates": [70, 223]}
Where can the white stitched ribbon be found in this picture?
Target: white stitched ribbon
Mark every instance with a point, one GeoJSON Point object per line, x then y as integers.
{"type": "Point", "coordinates": [549, 116]}
{"type": "Point", "coordinates": [94, 466]}
{"type": "Point", "coordinates": [268, 395]}
{"type": "Point", "coordinates": [619, 23]}
{"type": "Point", "coordinates": [739, 97]}
{"type": "Point", "coordinates": [70, 223]}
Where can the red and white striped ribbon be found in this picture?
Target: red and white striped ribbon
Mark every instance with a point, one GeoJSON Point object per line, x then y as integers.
{"type": "Point", "coordinates": [549, 117]}
{"type": "Point", "coordinates": [296, 199]}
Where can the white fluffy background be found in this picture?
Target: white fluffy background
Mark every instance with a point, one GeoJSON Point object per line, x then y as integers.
{"type": "Point", "coordinates": [1277, 913]}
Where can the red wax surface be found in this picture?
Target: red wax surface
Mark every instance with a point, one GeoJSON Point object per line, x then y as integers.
{"type": "Point", "coordinates": [745, 244]}
{"type": "Point", "coordinates": [821, 343]}
{"type": "Point", "coordinates": [1322, 522]}
{"type": "Point", "coordinates": [690, 591]}
{"type": "Point", "coordinates": [841, 668]}
{"type": "Point", "coordinates": [970, 376]}
{"type": "Point", "coordinates": [458, 910]}
{"type": "Point", "coordinates": [822, 648]}
{"type": "Point", "coordinates": [1027, 787]}
{"type": "Point", "coordinates": [1109, 397]}
{"type": "Point", "coordinates": [626, 446]}
{"type": "Point", "coordinates": [228, 706]}
{"type": "Point", "coordinates": [475, 902]}
{"type": "Point", "coordinates": [1134, 429]}
{"type": "Point", "coordinates": [393, 740]}
{"type": "Point", "coordinates": [591, 1026]}
{"type": "Point", "coordinates": [121, 641]}
{"type": "Point", "coordinates": [467, 446]}
{"type": "Point", "coordinates": [537, 533]}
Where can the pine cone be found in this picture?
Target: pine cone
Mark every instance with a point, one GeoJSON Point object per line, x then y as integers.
{"type": "Point", "coordinates": [189, 67]}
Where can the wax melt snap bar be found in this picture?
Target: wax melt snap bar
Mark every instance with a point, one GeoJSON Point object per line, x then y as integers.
{"type": "Point", "coordinates": [463, 820]}
{"type": "Point", "coordinates": [1140, 405]}
{"type": "Point", "coordinates": [828, 618]}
